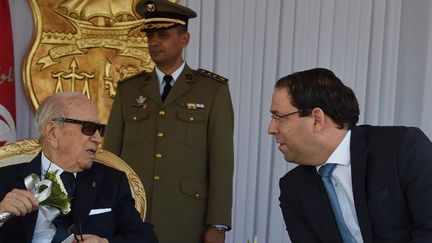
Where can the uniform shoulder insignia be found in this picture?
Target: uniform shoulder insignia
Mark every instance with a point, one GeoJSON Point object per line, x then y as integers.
{"type": "Point", "coordinates": [132, 76]}
{"type": "Point", "coordinates": [213, 76]}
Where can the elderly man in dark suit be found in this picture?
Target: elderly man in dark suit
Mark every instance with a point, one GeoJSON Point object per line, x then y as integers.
{"type": "Point", "coordinates": [353, 183]}
{"type": "Point", "coordinates": [102, 206]}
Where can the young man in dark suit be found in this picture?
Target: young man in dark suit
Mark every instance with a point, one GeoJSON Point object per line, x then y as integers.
{"type": "Point", "coordinates": [103, 209]}
{"type": "Point", "coordinates": [353, 183]}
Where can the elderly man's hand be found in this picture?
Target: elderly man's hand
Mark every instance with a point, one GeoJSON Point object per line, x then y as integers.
{"type": "Point", "coordinates": [19, 203]}
{"type": "Point", "coordinates": [212, 235]}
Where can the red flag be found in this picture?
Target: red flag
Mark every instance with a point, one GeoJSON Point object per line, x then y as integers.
{"type": "Point", "coordinates": [7, 77]}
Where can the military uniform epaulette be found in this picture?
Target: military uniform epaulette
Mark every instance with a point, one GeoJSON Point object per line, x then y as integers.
{"type": "Point", "coordinates": [213, 75]}
{"type": "Point", "coordinates": [132, 76]}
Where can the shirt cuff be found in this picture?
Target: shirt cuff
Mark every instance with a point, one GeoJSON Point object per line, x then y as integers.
{"type": "Point", "coordinates": [220, 227]}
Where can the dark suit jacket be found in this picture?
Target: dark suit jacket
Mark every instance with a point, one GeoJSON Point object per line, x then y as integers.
{"type": "Point", "coordinates": [392, 186]}
{"type": "Point", "coordinates": [98, 187]}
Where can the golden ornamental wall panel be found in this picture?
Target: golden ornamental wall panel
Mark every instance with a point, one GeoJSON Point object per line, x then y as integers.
{"type": "Point", "coordinates": [84, 46]}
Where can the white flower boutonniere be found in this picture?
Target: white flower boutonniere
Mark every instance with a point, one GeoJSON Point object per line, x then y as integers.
{"type": "Point", "coordinates": [58, 197]}
{"type": "Point", "coordinates": [50, 192]}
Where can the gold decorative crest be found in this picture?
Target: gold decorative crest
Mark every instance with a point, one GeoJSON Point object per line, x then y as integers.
{"type": "Point", "coordinates": [84, 46]}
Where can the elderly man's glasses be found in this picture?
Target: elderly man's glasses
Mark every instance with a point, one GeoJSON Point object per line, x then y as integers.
{"type": "Point", "coordinates": [280, 118]}
{"type": "Point", "coordinates": [87, 128]}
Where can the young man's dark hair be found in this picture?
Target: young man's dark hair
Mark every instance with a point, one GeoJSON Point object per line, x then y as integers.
{"type": "Point", "coordinates": [319, 87]}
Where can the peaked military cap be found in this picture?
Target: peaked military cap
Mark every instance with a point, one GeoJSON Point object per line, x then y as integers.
{"type": "Point", "coordinates": [163, 14]}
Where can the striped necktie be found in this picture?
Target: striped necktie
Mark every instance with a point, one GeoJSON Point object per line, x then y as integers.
{"type": "Point", "coordinates": [326, 171]}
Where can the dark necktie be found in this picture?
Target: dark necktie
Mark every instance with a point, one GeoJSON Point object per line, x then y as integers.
{"type": "Point", "coordinates": [167, 87]}
{"type": "Point", "coordinates": [326, 171]}
{"type": "Point", "coordinates": [63, 222]}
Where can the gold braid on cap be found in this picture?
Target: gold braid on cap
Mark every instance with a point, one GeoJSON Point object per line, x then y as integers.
{"type": "Point", "coordinates": [158, 25]}
{"type": "Point", "coordinates": [174, 21]}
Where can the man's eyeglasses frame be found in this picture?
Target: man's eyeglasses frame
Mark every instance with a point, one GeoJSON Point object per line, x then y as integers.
{"type": "Point", "coordinates": [279, 119]}
{"type": "Point", "coordinates": [87, 127]}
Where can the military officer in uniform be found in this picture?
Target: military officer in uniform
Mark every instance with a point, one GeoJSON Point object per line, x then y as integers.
{"type": "Point", "coordinates": [174, 126]}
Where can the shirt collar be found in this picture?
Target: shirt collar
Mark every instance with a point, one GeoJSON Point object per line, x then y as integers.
{"type": "Point", "coordinates": [46, 164]}
{"type": "Point", "coordinates": [341, 155]}
{"type": "Point", "coordinates": [175, 74]}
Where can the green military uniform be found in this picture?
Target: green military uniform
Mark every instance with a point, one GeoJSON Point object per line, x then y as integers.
{"type": "Point", "coordinates": [182, 149]}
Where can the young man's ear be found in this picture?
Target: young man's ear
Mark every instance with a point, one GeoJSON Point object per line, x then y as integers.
{"type": "Point", "coordinates": [319, 119]}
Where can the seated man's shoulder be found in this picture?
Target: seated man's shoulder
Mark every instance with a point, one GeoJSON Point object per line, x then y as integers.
{"type": "Point", "coordinates": [12, 166]}
{"type": "Point", "coordinates": [109, 172]}
{"type": "Point", "coordinates": [9, 177]}
{"type": "Point", "coordinates": [392, 134]}
{"type": "Point", "coordinates": [300, 172]}
{"type": "Point", "coordinates": [12, 169]}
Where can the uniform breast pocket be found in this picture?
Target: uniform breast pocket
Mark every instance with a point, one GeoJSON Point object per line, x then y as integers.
{"type": "Point", "coordinates": [137, 125]}
{"type": "Point", "coordinates": [195, 190]}
{"type": "Point", "coordinates": [191, 128]}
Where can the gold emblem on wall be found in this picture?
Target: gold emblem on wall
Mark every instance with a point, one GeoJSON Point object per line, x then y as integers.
{"type": "Point", "coordinates": [84, 46]}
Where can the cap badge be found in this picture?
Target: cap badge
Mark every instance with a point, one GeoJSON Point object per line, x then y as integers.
{"type": "Point", "coordinates": [150, 7]}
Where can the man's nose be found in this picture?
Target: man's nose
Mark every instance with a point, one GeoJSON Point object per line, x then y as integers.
{"type": "Point", "coordinates": [272, 127]}
{"type": "Point", "coordinates": [153, 40]}
{"type": "Point", "coordinates": [96, 137]}
{"type": "Point", "coordinates": [150, 41]}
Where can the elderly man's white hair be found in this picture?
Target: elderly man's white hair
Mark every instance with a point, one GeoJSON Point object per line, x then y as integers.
{"type": "Point", "coordinates": [53, 107]}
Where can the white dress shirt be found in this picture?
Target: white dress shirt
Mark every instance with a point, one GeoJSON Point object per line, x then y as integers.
{"type": "Point", "coordinates": [342, 183]}
{"type": "Point", "coordinates": [45, 229]}
{"type": "Point", "coordinates": [174, 75]}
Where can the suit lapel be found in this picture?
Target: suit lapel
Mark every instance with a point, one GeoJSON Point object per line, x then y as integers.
{"type": "Point", "coordinates": [181, 85]}
{"type": "Point", "coordinates": [320, 210]}
{"type": "Point", "coordinates": [358, 171]}
{"type": "Point", "coordinates": [150, 87]}
{"type": "Point", "coordinates": [29, 222]}
{"type": "Point", "coordinates": [87, 188]}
